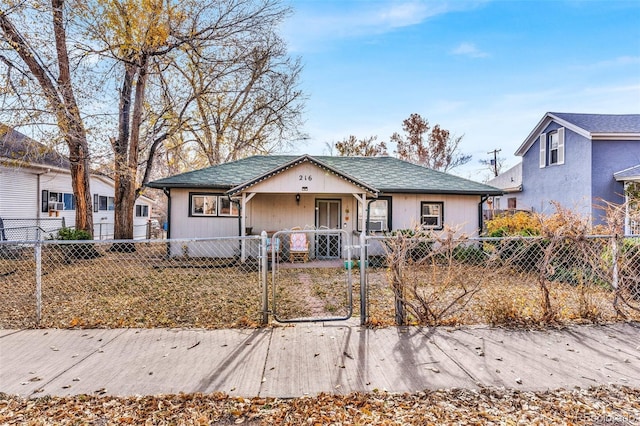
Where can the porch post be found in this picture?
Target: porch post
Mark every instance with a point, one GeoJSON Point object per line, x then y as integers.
{"type": "Point", "coordinates": [362, 199]}
{"type": "Point", "coordinates": [627, 212]}
{"type": "Point", "coordinates": [243, 224]}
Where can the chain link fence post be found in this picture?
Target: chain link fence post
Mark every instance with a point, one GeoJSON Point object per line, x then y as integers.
{"type": "Point", "coordinates": [614, 255]}
{"type": "Point", "coordinates": [264, 262]}
{"type": "Point", "coordinates": [364, 264]}
{"type": "Point", "coordinates": [38, 260]}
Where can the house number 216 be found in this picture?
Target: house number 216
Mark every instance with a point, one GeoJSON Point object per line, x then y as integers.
{"type": "Point", "coordinates": [304, 177]}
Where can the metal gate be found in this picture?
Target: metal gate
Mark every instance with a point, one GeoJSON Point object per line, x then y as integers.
{"type": "Point", "coordinates": [306, 285]}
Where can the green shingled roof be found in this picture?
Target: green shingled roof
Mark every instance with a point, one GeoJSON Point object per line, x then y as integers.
{"type": "Point", "coordinates": [386, 174]}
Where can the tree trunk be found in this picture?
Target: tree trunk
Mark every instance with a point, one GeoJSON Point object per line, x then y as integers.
{"type": "Point", "coordinates": [127, 149]}
{"type": "Point", "coordinates": [62, 102]}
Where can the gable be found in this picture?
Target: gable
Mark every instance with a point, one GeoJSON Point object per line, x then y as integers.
{"type": "Point", "coordinates": [305, 177]}
{"type": "Point", "coordinates": [590, 126]}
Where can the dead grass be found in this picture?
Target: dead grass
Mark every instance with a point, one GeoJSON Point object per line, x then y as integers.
{"type": "Point", "coordinates": [144, 289]}
{"type": "Point", "coordinates": [509, 299]}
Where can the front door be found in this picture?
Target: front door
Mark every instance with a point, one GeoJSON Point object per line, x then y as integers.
{"type": "Point", "coordinates": [328, 217]}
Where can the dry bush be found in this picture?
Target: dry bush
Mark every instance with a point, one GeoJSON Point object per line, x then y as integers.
{"type": "Point", "coordinates": [430, 277]}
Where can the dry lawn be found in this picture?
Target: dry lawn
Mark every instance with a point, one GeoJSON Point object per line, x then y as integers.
{"type": "Point", "coordinates": [145, 289]}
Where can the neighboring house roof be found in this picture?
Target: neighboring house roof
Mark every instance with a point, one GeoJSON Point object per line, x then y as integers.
{"type": "Point", "coordinates": [631, 173]}
{"type": "Point", "coordinates": [376, 174]}
{"type": "Point", "coordinates": [591, 126]}
{"type": "Point", "coordinates": [510, 180]}
{"type": "Point", "coordinates": [20, 148]}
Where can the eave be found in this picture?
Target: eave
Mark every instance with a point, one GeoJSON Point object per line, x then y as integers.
{"type": "Point", "coordinates": [303, 159]}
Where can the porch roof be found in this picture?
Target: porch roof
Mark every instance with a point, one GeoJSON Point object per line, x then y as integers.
{"type": "Point", "coordinates": [631, 173]}
{"type": "Point", "coordinates": [380, 174]}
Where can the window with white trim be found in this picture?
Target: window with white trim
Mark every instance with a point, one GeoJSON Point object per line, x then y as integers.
{"type": "Point", "coordinates": [552, 148]}
{"type": "Point", "coordinates": [227, 207]}
{"type": "Point", "coordinates": [103, 203]}
{"type": "Point", "coordinates": [379, 219]}
{"type": "Point", "coordinates": [432, 215]}
{"type": "Point", "coordinates": [203, 204]}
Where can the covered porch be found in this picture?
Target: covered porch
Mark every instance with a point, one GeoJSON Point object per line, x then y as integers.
{"type": "Point", "coordinates": [630, 178]}
{"type": "Point", "coordinates": [304, 196]}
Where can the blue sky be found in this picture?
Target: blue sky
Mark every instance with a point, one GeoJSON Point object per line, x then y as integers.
{"type": "Point", "coordinates": [488, 70]}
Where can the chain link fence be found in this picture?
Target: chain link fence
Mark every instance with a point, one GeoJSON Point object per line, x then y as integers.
{"type": "Point", "coordinates": [178, 283]}
{"type": "Point", "coordinates": [502, 281]}
{"type": "Point", "coordinates": [407, 279]}
{"type": "Point", "coordinates": [30, 229]}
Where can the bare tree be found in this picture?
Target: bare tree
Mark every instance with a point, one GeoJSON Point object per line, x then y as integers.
{"type": "Point", "coordinates": [245, 100]}
{"type": "Point", "coordinates": [366, 147]}
{"type": "Point", "coordinates": [434, 148]}
{"type": "Point", "coordinates": [211, 68]}
{"type": "Point", "coordinates": [47, 69]}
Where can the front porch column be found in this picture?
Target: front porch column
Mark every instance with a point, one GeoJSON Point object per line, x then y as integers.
{"type": "Point", "coordinates": [362, 199]}
{"type": "Point", "coordinates": [243, 224]}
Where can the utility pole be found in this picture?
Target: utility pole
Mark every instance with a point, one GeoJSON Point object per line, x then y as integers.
{"type": "Point", "coordinates": [494, 162]}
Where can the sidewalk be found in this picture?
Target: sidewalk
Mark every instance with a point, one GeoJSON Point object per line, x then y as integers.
{"type": "Point", "coordinates": [310, 358]}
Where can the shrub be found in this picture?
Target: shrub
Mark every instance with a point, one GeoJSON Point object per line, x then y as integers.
{"type": "Point", "coordinates": [520, 223]}
{"type": "Point", "coordinates": [76, 251]}
{"type": "Point", "coordinates": [72, 234]}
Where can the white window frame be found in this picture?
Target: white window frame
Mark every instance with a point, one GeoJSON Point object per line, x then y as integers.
{"type": "Point", "coordinates": [227, 208]}
{"type": "Point", "coordinates": [553, 148]}
{"type": "Point", "coordinates": [203, 205]}
{"type": "Point", "coordinates": [379, 212]}
{"type": "Point", "coordinates": [552, 143]}
{"type": "Point", "coordinates": [222, 206]}
{"type": "Point", "coordinates": [438, 214]}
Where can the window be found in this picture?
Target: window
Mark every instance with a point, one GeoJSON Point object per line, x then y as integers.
{"type": "Point", "coordinates": [552, 148]}
{"type": "Point", "coordinates": [57, 201]}
{"type": "Point", "coordinates": [379, 215]}
{"type": "Point", "coordinates": [227, 208]}
{"type": "Point", "coordinates": [103, 203]}
{"type": "Point", "coordinates": [142, 210]}
{"type": "Point", "coordinates": [431, 216]}
{"type": "Point", "coordinates": [212, 205]}
{"type": "Point", "coordinates": [512, 203]}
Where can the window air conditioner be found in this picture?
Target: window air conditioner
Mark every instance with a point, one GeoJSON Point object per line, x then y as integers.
{"type": "Point", "coordinates": [56, 206]}
{"type": "Point", "coordinates": [376, 225]}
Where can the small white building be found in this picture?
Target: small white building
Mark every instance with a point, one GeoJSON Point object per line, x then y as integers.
{"type": "Point", "coordinates": [36, 196]}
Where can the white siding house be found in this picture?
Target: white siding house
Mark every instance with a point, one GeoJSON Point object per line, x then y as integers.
{"type": "Point", "coordinates": [36, 192]}
{"type": "Point", "coordinates": [353, 194]}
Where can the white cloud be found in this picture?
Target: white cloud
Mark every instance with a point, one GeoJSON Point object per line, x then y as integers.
{"type": "Point", "coordinates": [620, 61]}
{"type": "Point", "coordinates": [320, 22]}
{"type": "Point", "coordinates": [469, 49]}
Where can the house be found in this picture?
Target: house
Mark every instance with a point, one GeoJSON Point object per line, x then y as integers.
{"type": "Point", "coordinates": [36, 193]}
{"type": "Point", "coordinates": [630, 178]}
{"type": "Point", "coordinates": [355, 194]}
{"type": "Point", "coordinates": [510, 182]}
{"type": "Point", "coordinates": [577, 160]}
